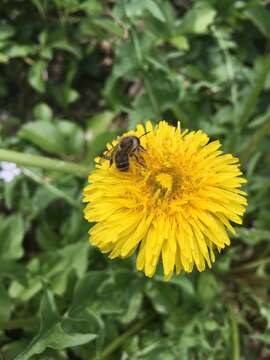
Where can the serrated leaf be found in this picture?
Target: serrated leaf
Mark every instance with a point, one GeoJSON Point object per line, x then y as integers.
{"type": "Point", "coordinates": [60, 340]}
{"type": "Point", "coordinates": [51, 334]}
{"type": "Point", "coordinates": [86, 289]}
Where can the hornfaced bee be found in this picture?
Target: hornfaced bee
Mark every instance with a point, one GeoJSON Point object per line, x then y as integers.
{"type": "Point", "coordinates": [128, 146]}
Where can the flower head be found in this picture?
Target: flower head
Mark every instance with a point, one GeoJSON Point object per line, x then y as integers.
{"type": "Point", "coordinates": [176, 203]}
{"type": "Point", "coordinates": [8, 171]}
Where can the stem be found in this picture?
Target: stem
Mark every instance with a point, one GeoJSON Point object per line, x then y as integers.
{"type": "Point", "coordinates": [254, 94]}
{"type": "Point", "coordinates": [44, 162]}
{"type": "Point", "coordinates": [115, 344]}
{"type": "Point", "coordinates": [235, 334]}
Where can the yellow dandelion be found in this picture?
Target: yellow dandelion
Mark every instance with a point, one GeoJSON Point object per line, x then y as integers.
{"type": "Point", "coordinates": [175, 202]}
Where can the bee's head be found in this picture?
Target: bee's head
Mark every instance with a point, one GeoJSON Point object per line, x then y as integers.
{"type": "Point", "coordinates": [129, 143]}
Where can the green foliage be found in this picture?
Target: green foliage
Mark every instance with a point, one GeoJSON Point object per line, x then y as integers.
{"type": "Point", "coordinates": [74, 75]}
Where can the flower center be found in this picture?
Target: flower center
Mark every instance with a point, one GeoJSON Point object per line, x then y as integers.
{"type": "Point", "coordinates": [165, 181]}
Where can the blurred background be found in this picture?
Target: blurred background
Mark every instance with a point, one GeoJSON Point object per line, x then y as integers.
{"type": "Point", "coordinates": [74, 74]}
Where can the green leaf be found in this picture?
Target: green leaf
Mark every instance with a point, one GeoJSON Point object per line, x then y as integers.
{"type": "Point", "coordinates": [137, 7]}
{"type": "Point", "coordinates": [6, 30]}
{"type": "Point", "coordinates": [5, 305]}
{"type": "Point", "coordinates": [76, 254]}
{"type": "Point", "coordinates": [13, 270]}
{"type": "Point", "coordinates": [108, 25]}
{"type": "Point", "coordinates": [43, 112]}
{"type": "Point", "coordinates": [18, 51]}
{"type": "Point", "coordinates": [51, 333]}
{"type": "Point", "coordinates": [198, 19]}
{"type": "Point", "coordinates": [36, 76]}
{"type": "Point", "coordinates": [180, 42]}
{"type": "Point", "coordinates": [72, 137]}
{"type": "Point", "coordinates": [63, 44]}
{"type": "Point", "coordinates": [93, 7]}
{"type": "Point", "coordinates": [99, 123]}
{"type": "Point", "coordinates": [43, 134]}
{"type": "Point", "coordinates": [207, 288]}
{"type": "Point", "coordinates": [11, 235]}
{"type": "Point", "coordinates": [86, 290]}
{"type": "Point", "coordinates": [134, 306]}
{"type": "Point", "coordinates": [182, 282]}
{"type": "Point", "coordinates": [155, 10]}
{"type": "Point", "coordinates": [163, 296]}
{"type": "Point", "coordinates": [252, 236]}
{"type": "Point", "coordinates": [260, 17]}
{"type": "Point", "coordinates": [60, 340]}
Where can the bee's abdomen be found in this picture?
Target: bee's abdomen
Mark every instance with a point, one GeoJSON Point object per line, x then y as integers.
{"type": "Point", "coordinates": [121, 161]}
{"type": "Point", "coordinates": [122, 166]}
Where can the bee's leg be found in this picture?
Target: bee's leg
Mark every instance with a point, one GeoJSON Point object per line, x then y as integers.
{"type": "Point", "coordinates": [141, 148]}
{"type": "Point", "coordinates": [138, 160]}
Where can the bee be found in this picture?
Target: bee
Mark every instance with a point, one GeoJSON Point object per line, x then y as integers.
{"type": "Point", "coordinates": [127, 147]}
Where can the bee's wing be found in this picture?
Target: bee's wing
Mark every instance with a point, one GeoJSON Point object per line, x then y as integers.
{"type": "Point", "coordinates": [109, 154]}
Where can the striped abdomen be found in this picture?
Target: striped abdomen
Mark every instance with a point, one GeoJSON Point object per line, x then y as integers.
{"type": "Point", "coordinates": [121, 161]}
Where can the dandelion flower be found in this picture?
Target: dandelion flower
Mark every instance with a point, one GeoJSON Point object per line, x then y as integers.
{"type": "Point", "coordinates": [176, 207]}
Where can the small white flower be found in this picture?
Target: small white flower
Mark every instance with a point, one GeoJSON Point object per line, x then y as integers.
{"type": "Point", "coordinates": [9, 171]}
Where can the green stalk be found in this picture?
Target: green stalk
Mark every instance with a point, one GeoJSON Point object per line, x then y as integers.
{"type": "Point", "coordinates": [254, 94]}
{"type": "Point", "coordinates": [46, 163]}
{"type": "Point", "coordinates": [234, 334]}
{"type": "Point", "coordinates": [115, 344]}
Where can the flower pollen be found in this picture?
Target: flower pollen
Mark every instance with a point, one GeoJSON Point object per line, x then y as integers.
{"type": "Point", "coordinates": [165, 181]}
